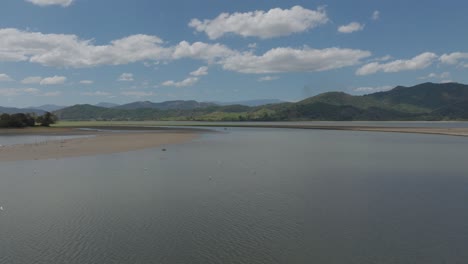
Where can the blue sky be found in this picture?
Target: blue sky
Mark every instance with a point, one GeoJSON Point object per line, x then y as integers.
{"type": "Point", "coordinates": [89, 51]}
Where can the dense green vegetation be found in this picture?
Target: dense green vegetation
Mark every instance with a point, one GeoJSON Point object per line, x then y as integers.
{"type": "Point", "coordinates": [19, 120]}
{"type": "Point", "coordinates": [427, 101]}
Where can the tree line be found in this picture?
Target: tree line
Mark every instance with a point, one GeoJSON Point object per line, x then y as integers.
{"type": "Point", "coordinates": [20, 120]}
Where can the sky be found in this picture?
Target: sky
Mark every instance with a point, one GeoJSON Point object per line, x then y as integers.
{"type": "Point", "coordinates": [66, 52]}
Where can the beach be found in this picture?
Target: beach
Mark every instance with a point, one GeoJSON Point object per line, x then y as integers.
{"type": "Point", "coordinates": [115, 139]}
{"type": "Point", "coordinates": [98, 142]}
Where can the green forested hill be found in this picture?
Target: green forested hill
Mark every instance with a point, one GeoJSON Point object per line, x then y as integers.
{"type": "Point", "coordinates": [427, 101]}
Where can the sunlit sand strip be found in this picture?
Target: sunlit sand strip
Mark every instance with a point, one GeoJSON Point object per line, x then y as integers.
{"type": "Point", "coordinates": [100, 144]}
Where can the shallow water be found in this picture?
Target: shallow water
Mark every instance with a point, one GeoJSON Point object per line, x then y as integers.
{"type": "Point", "coordinates": [244, 196]}
{"type": "Point", "coordinates": [435, 124]}
{"type": "Point", "coordinates": [8, 140]}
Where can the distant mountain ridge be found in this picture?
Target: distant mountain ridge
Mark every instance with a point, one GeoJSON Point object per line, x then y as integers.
{"type": "Point", "coordinates": [48, 107]}
{"type": "Point", "coordinates": [256, 102]}
{"type": "Point", "coordinates": [167, 105]}
{"type": "Point", "coordinates": [426, 101]}
{"type": "Point", "coordinates": [106, 104]}
{"type": "Point", "coordinates": [14, 110]}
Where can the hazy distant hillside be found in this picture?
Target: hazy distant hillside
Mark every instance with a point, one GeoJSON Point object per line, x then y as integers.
{"type": "Point", "coordinates": [13, 110]}
{"type": "Point", "coordinates": [106, 105]}
{"type": "Point", "coordinates": [178, 104]}
{"type": "Point", "coordinates": [48, 107]}
{"type": "Point", "coordinates": [427, 101]}
{"type": "Point", "coordinates": [252, 103]}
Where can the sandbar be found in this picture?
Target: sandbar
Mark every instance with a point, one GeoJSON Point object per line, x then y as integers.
{"type": "Point", "coordinates": [413, 130]}
{"type": "Point", "coordinates": [99, 142]}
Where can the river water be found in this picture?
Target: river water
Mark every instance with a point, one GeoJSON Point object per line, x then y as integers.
{"type": "Point", "coordinates": [245, 195]}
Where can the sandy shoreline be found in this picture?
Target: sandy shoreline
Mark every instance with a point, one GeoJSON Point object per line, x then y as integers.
{"type": "Point", "coordinates": [413, 130]}
{"type": "Point", "coordinates": [99, 143]}
{"type": "Point", "coordinates": [136, 138]}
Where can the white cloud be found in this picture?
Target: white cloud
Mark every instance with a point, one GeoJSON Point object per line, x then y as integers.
{"type": "Point", "coordinates": [369, 89]}
{"type": "Point", "coordinates": [96, 93]}
{"type": "Point", "coordinates": [184, 83]}
{"type": "Point", "coordinates": [454, 58]}
{"type": "Point", "coordinates": [32, 80]}
{"type": "Point", "coordinates": [86, 82]}
{"type": "Point", "coordinates": [267, 78]}
{"type": "Point", "coordinates": [421, 61]}
{"type": "Point", "coordinates": [44, 81]}
{"type": "Point", "coordinates": [55, 80]}
{"type": "Point", "coordinates": [274, 23]}
{"type": "Point", "coordinates": [51, 94]}
{"type": "Point", "coordinates": [444, 75]}
{"type": "Point", "coordinates": [351, 27]}
{"type": "Point", "coordinates": [126, 77]}
{"type": "Point", "coordinates": [18, 91]}
{"type": "Point", "coordinates": [137, 93]}
{"type": "Point", "coordinates": [384, 58]}
{"type": "Point", "coordinates": [375, 15]}
{"type": "Point", "coordinates": [294, 60]}
{"type": "Point", "coordinates": [252, 45]}
{"type": "Point", "coordinates": [62, 50]}
{"type": "Point", "coordinates": [5, 77]}
{"type": "Point", "coordinates": [63, 3]}
{"type": "Point", "coordinates": [200, 71]}
{"type": "Point", "coordinates": [203, 51]}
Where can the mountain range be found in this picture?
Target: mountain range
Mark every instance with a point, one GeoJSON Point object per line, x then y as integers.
{"type": "Point", "coordinates": [177, 104]}
{"type": "Point", "coordinates": [426, 101]}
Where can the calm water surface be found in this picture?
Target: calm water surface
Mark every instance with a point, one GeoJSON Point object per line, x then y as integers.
{"type": "Point", "coordinates": [244, 196]}
{"type": "Point", "coordinates": [8, 140]}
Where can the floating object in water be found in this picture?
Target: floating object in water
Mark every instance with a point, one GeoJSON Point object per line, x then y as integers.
{"type": "Point", "coordinates": [164, 149]}
{"type": "Point", "coordinates": [1, 208]}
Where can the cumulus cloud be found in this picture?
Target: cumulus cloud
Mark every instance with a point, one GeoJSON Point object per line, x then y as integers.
{"type": "Point", "coordinates": [375, 15]}
{"type": "Point", "coordinates": [32, 80]}
{"type": "Point", "coordinates": [201, 50]}
{"type": "Point", "coordinates": [267, 78]}
{"type": "Point", "coordinates": [63, 3]}
{"type": "Point", "coordinates": [51, 94]}
{"type": "Point", "coordinates": [137, 93]}
{"type": "Point", "coordinates": [444, 75]}
{"type": "Point", "coordinates": [126, 77]}
{"type": "Point", "coordinates": [55, 80]}
{"type": "Point", "coordinates": [421, 61]}
{"type": "Point", "coordinates": [455, 58]}
{"type": "Point", "coordinates": [351, 27]}
{"type": "Point", "coordinates": [184, 83]}
{"type": "Point", "coordinates": [200, 71]}
{"type": "Point", "coordinates": [18, 91]}
{"type": "Point", "coordinates": [294, 60]}
{"type": "Point", "coordinates": [5, 77]}
{"type": "Point", "coordinates": [96, 93]}
{"type": "Point", "coordinates": [370, 89]}
{"type": "Point", "coordinates": [275, 22]}
{"type": "Point", "coordinates": [63, 50]}
{"type": "Point", "coordinates": [86, 82]}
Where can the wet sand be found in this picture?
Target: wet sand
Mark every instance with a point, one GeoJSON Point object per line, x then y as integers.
{"type": "Point", "coordinates": [414, 130]}
{"type": "Point", "coordinates": [136, 138]}
{"type": "Point", "coordinates": [103, 142]}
